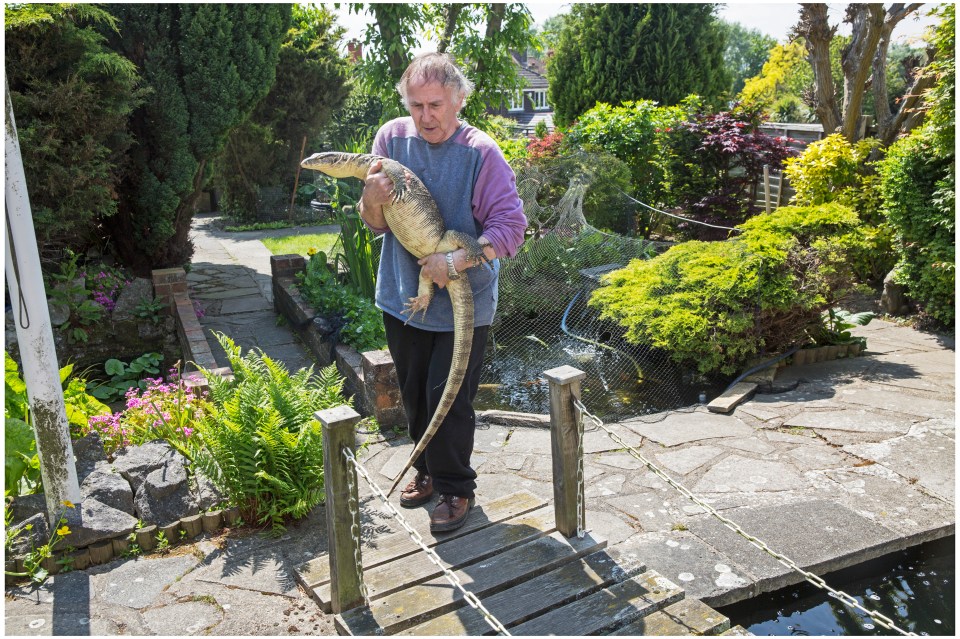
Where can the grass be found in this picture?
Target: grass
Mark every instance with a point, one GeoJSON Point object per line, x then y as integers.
{"type": "Point", "coordinates": [300, 244]}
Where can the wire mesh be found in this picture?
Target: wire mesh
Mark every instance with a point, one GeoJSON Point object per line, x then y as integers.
{"type": "Point", "coordinates": [544, 320]}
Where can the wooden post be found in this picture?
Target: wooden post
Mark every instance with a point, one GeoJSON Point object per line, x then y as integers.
{"type": "Point", "coordinates": [339, 476]}
{"type": "Point", "coordinates": [296, 181]}
{"type": "Point", "coordinates": [564, 444]}
{"type": "Point", "coordinates": [766, 186]}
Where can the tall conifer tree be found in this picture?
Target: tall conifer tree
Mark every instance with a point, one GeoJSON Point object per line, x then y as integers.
{"type": "Point", "coordinates": [618, 52]}
{"type": "Point", "coordinates": [206, 66]}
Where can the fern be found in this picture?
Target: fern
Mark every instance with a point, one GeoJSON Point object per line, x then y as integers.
{"type": "Point", "coordinates": [261, 445]}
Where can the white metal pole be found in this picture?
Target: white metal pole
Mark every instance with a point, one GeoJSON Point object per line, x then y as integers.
{"type": "Point", "coordinates": [35, 335]}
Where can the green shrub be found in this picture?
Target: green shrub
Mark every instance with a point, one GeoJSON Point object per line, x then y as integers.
{"type": "Point", "coordinates": [72, 98]}
{"type": "Point", "coordinates": [21, 463]}
{"type": "Point", "coordinates": [360, 321]}
{"type": "Point", "coordinates": [834, 170]}
{"type": "Point", "coordinates": [261, 444]}
{"type": "Point", "coordinates": [630, 132]}
{"type": "Point", "coordinates": [919, 196]}
{"type": "Point", "coordinates": [918, 182]}
{"type": "Point", "coordinates": [712, 306]}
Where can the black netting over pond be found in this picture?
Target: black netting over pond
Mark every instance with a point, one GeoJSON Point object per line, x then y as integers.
{"type": "Point", "coordinates": [544, 321]}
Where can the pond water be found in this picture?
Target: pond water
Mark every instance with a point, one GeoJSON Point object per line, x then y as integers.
{"type": "Point", "coordinates": [621, 380]}
{"type": "Point", "coordinates": [915, 588]}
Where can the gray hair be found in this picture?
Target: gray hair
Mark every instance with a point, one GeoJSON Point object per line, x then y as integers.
{"type": "Point", "coordinates": [435, 67]}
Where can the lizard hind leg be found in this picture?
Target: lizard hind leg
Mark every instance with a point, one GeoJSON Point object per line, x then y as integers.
{"type": "Point", "coordinates": [421, 302]}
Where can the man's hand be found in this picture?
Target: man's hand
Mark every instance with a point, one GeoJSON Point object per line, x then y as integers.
{"type": "Point", "coordinates": [435, 267]}
{"type": "Point", "coordinates": [377, 191]}
{"type": "Point", "coordinates": [378, 188]}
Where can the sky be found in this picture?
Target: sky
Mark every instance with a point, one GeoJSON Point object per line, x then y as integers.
{"type": "Point", "coordinates": [773, 19]}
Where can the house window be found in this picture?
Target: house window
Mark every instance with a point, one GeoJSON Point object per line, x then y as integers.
{"type": "Point", "coordinates": [538, 99]}
{"type": "Point", "coordinates": [515, 101]}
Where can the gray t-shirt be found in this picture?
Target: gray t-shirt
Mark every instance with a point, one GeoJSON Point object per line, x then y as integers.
{"type": "Point", "coordinates": [475, 190]}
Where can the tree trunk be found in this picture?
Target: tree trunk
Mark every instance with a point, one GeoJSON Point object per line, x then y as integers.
{"type": "Point", "coordinates": [857, 63]}
{"type": "Point", "coordinates": [452, 13]}
{"type": "Point", "coordinates": [495, 13]}
{"type": "Point", "coordinates": [863, 62]}
{"type": "Point", "coordinates": [817, 34]}
{"type": "Point", "coordinates": [396, 57]}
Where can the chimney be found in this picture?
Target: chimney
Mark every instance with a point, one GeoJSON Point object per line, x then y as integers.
{"type": "Point", "coordinates": [355, 51]}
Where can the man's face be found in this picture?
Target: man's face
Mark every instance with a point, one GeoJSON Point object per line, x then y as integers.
{"type": "Point", "coordinates": [434, 110]}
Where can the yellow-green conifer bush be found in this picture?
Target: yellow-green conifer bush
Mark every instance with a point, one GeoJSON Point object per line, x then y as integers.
{"type": "Point", "coordinates": [713, 305]}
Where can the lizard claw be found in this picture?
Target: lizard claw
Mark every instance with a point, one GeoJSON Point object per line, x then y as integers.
{"type": "Point", "coordinates": [416, 305]}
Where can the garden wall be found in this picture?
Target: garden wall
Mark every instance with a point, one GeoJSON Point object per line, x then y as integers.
{"type": "Point", "coordinates": [371, 376]}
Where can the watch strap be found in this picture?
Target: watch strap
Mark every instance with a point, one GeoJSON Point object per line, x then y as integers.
{"type": "Point", "coordinates": [451, 269]}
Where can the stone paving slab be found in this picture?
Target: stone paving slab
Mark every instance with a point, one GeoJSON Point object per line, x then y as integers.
{"type": "Point", "coordinates": [820, 536]}
{"type": "Point", "coordinates": [688, 459]}
{"type": "Point", "coordinates": [646, 510]}
{"type": "Point", "coordinates": [926, 459]}
{"type": "Point", "coordinates": [899, 403]}
{"type": "Point", "coordinates": [245, 304]}
{"type": "Point", "coordinates": [891, 502]}
{"type": "Point", "coordinates": [703, 572]}
{"type": "Point", "coordinates": [735, 474]}
{"type": "Point", "coordinates": [683, 428]}
{"type": "Point", "coordinates": [858, 420]}
{"type": "Point", "coordinates": [138, 583]}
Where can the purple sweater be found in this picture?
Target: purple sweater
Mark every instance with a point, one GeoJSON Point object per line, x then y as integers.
{"type": "Point", "coordinates": [476, 192]}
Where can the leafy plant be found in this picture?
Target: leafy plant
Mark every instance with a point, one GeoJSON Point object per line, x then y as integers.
{"type": "Point", "coordinates": [33, 562]}
{"type": "Point", "coordinates": [161, 410]}
{"type": "Point", "coordinates": [360, 321]}
{"type": "Point", "coordinates": [125, 376]}
{"type": "Point", "coordinates": [163, 544]}
{"type": "Point", "coordinates": [717, 162]}
{"type": "Point", "coordinates": [836, 325]}
{"type": "Point", "coordinates": [261, 445]}
{"type": "Point", "coordinates": [150, 309]}
{"type": "Point", "coordinates": [21, 468]}
{"type": "Point", "coordinates": [21, 464]}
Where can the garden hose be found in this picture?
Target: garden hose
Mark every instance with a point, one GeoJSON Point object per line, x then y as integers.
{"type": "Point", "coordinates": [563, 327]}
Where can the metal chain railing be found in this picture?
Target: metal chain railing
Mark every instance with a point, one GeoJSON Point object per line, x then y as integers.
{"type": "Point", "coordinates": [355, 529]}
{"type": "Point", "coordinates": [417, 538]}
{"type": "Point", "coordinates": [581, 509]}
{"type": "Point", "coordinates": [816, 580]}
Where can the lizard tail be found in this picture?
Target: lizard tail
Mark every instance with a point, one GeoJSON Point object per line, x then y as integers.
{"type": "Point", "coordinates": [461, 297]}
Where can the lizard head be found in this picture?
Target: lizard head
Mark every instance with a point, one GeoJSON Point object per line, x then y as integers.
{"type": "Point", "coordinates": [339, 165]}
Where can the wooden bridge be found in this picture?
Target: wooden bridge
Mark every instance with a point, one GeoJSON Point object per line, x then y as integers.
{"type": "Point", "coordinates": [521, 557]}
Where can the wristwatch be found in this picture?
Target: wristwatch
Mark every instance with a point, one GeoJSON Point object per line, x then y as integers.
{"type": "Point", "coordinates": [451, 270]}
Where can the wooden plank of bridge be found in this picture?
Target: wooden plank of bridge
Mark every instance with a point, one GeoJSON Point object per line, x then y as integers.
{"type": "Point", "coordinates": [686, 617]}
{"type": "Point", "coordinates": [316, 572]}
{"type": "Point", "coordinates": [607, 609]}
{"type": "Point", "coordinates": [422, 602]}
{"type": "Point", "coordinates": [542, 593]}
{"type": "Point", "coordinates": [477, 546]}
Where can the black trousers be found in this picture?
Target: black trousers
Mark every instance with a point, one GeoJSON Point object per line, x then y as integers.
{"type": "Point", "coordinates": [423, 360]}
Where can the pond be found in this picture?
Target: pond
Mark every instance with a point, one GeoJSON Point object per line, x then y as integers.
{"type": "Point", "coordinates": [915, 588]}
{"type": "Point", "coordinates": [621, 380]}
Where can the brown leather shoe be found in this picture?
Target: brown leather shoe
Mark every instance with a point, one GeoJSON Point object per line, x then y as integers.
{"type": "Point", "coordinates": [450, 513]}
{"type": "Point", "coordinates": [417, 492]}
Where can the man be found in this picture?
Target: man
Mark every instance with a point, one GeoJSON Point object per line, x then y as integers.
{"type": "Point", "coordinates": [476, 192]}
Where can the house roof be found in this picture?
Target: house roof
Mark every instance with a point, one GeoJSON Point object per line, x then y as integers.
{"type": "Point", "coordinates": [533, 79]}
